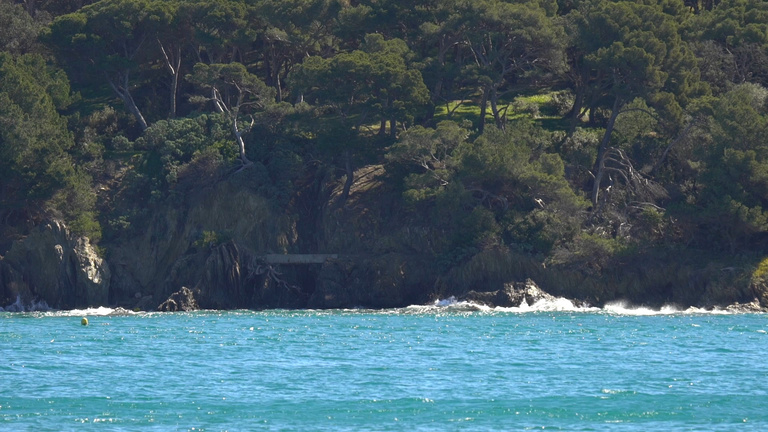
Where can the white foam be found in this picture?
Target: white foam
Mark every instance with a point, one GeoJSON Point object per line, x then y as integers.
{"type": "Point", "coordinates": [446, 302]}
{"type": "Point", "coordinates": [450, 304]}
{"type": "Point", "coordinates": [561, 304]}
{"type": "Point", "coordinates": [98, 311]}
{"type": "Point", "coordinates": [42, 306]}
{"type": "Point", "coordinates": [715, 311]}
{"type": "Point", "coordinates": [624, 308]}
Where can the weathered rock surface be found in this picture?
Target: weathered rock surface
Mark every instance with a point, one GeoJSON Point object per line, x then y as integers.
{"type": "Point", "coordinates": [513, 295]}
{"type": "Point", "coordinates": [230, 276]}
{"type": "Point", "coordinates": [167, 251]}
{"type": "Point", "coordinates": [52, 265]}
{"type": "Point", "coordinates": [754, 306]}
{"type": "Point", "coordinates": [181, 300]}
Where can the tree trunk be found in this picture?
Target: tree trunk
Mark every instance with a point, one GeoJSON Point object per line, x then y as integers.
{"type": "Point", "coordinates": [483, 110]}
{"type": "Point", "coordinates": [438, 89]}
{"type": "Point", "coordinates": [173, 64]}
{"type": "Point", "coordinates": [578, 104]}
{"type": "Point", "coordinates": [174, 89]}
{"type": "Point", "coordinates": [124, 94]}
{"type": "Point", "coordinates": [240, 141]}
{"type": "Point", "coordinates": [383, 121]}
{"type": "Point", "coordinates": [599, 168]}
{"type": "Point", "coordinates": [495, 107]}
{"type": "Point", "coordinates": [279, 87]}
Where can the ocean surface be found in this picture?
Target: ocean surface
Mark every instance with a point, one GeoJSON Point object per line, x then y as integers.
{"type": "Point", "coordinates": [446, 367]}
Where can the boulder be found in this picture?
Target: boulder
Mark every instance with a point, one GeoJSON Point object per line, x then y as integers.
{"type": "Point", "coordinates": [182, 300]}
{"type": "Point", "coordinates": [513, 295]}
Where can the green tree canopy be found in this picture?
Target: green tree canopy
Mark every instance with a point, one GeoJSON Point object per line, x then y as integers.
{"type": "Point", "coordinates": [235, 93]}
{"type": "Point", "coordinates": [105, 39]}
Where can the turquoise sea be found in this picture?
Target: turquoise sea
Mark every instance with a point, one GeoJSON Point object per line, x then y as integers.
{"type": "Point", "coordinates": [446, 367]}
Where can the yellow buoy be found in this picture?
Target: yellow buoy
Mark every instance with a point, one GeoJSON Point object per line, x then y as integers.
{"type": "Point", "coordinates": [84, 321]}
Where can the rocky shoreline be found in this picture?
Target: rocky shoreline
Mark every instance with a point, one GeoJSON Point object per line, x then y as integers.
{"type": "Point", "coordinates": [51, 269]}
{"type": "Point", "coordinates": [167, 267]}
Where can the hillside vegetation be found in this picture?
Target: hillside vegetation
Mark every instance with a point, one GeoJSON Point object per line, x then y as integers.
{"type": "Point", "coordinates": [607, 149]}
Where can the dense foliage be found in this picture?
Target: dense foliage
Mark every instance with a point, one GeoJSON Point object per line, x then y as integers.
{"type": "Point", "coordinates": [576, 132]}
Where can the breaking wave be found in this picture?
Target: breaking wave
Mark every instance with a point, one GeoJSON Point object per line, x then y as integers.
{"type": "Point", "coordinates": [99, 311]}
{"type": "Point", "coordinates": [624, 308]}
{"type": "Point", "coordinates": [561, 304]}
{"type": "Point", "coordinates": [42, 308]}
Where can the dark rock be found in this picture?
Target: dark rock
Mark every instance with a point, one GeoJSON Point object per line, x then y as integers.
{"type": "Point", "coordinates": [387, 281]}
{"type": "Point", "coordinates": [513, 295]}
{"type": "Point", "coordinates": [234, 277]}
{"type": "Point", "coordinates": [333, 286]}
{"type": "Point", "coordinates": [181, 300]}
{"type": "Point", "coordinates": [145, 303]}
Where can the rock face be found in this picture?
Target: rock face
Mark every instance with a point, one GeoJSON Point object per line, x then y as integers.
{"type": "Point", "coordinates": [181, 300]}
{"type": "Point", "coordinates": [52, 265]}
{"type": "Point", "coordinates": [230, 276]}
{"type": "Point", "coordinates": [759, 289]}
{"type": "Point", "coordinates": [391, 280]}
{"type": "Point", "coordinates": [513, 295]}
{"type": "Point", "coordinates": [752, 307]}
{"type": "Point", "coordinates": [169, 251]}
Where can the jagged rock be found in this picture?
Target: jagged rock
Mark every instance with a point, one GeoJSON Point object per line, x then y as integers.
{"type": "Point", "coordinates": [513, 295]}
{"type": "Point", "coordinates": [233, 277]}
{"type": "Point", "coordinates": [181, 300]}
{"type": "Point", "coordinates": [754, 306]}
{"type": "Point", "coordinates": [54, 266]}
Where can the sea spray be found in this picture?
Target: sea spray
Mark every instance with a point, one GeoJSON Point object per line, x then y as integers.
{"type": "Point", "coordinates": [19, 306]}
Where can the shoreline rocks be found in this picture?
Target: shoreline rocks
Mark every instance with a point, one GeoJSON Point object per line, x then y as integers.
{"type": "Point", "coordinates": [182, 300]}
{"type": "Point", "coordinates": [513, 294]}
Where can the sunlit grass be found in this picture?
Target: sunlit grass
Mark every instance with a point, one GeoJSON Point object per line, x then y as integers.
{"type": "Point", "coordinates": [539, 108]}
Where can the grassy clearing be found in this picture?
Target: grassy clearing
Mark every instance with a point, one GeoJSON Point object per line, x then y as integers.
{"type": "Point", "coordinates": [543, 108]}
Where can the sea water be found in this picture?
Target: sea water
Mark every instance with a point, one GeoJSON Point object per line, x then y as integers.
{"type": "Point", "coordinates": [445, 367]}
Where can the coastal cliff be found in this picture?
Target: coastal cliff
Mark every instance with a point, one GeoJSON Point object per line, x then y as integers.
{"type": "Point", "coordinates": [54, 267]}
{"type": "Point", "coordinates": [207, 251]}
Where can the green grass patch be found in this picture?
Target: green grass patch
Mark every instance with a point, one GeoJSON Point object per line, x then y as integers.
{"type": "Point", "coordinates": [543, 108]}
